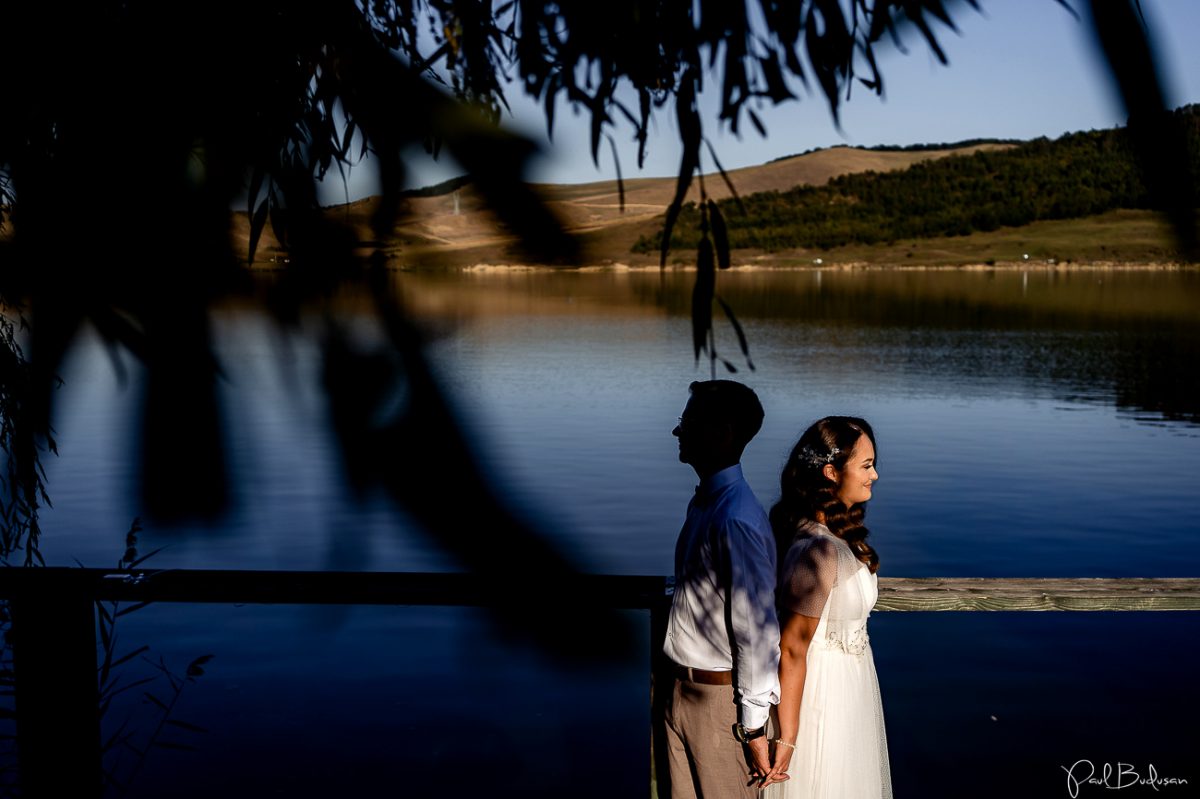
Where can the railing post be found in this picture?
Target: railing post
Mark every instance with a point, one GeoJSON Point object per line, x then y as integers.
{"type": "Point", "coordinates": [57, 703]}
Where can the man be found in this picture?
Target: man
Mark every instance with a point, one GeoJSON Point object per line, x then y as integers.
{"type": "Point", "coordinates": [722, 633]}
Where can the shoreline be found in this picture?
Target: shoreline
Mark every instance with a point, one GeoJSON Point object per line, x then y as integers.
{"type": "Point", "coordinates": [1117, 240]}
{"type": "Point", "coordinates": [848, 266]}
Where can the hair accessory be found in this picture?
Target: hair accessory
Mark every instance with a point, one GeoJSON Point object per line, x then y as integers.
{"type": "Point", "coordinates": [813, 458]}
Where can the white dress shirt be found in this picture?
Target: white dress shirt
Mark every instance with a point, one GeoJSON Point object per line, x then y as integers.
{"type": "Point", "coordinates": [723, 612]}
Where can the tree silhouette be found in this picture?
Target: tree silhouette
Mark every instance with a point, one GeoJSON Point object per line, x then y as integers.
{"type": "Point", "coordinates": [130, 129]}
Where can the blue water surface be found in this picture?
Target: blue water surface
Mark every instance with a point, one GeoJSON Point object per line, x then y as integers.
{"type": "Point", "coordinates": [1029, 425]}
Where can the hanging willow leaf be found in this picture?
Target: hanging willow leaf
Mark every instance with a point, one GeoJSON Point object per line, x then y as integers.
{"type": "Point", "coordinates": [830, 47]}
{"type": "Point", "coordinates": [777, 88]}
{"type": "Point", "coordinates": [720, 235]}
{"type": "Point", "coordinates": [689, 133]}
{"type": "Point", "coordinates": [917, 17]}
{"type": "Point", "coordinates": [758, 124]}
{"type": "Point", "coordinates": [597, 129]}
{"type": "Point", "coordinates": [724, 176]}
{"type": "Point", "coordinates": [620, 180]}
{"type": "Point", "coordinates": [702, 297]}
{"type": "Point", "coordinates": [257, 223]}
{"type": "Point", "coordinates": [737, 328]}
{"type": "Point", "coordinates": [715, 356]}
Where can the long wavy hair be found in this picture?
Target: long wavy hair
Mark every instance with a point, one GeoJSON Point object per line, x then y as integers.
{"type": "Point", "coordinates": [806, 493]}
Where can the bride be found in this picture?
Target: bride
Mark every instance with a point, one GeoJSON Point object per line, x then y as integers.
{"type": "Point", "coordinates": [831, 741]}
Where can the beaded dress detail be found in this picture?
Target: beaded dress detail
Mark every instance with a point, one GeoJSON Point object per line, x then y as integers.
{"type": "Point", "coordinates": [841, 748]}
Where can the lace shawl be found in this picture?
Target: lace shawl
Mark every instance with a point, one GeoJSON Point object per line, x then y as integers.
{"type": "Point", "coordinates": [816, 563]}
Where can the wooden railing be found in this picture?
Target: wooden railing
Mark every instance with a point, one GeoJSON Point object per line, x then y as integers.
{"type": "Point", "coordinates": [53, 630]}
{"type": "Point", "coordinates": [1038, 593]}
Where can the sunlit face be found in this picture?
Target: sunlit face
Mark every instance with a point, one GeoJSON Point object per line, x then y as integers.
{"type": "Point", "coordinates": [856, 477]}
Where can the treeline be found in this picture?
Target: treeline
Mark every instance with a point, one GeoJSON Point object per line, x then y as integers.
{"type": "Point", "coordinates": [921, 148]}
{"type": "Point", "coordinates": [438, 189]}
{"type": "Point", "coordinates": [906, 148]}
{"type": "Point", "coordinates": [1077, 175]}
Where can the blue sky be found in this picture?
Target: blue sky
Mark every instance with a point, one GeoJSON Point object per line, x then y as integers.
{"type": "Point", "coordinates": [1020, 69]}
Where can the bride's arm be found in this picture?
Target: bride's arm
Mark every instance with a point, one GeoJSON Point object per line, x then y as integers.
{"type": "Point", "coordinates": [796, 631]}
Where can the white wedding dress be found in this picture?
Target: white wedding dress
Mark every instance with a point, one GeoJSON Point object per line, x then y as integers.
{"type": "Point", "coordinates": [841, 748]}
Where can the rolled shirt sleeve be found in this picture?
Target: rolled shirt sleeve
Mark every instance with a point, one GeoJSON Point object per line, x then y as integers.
{"type": "Point", "coordinates": [751, 620]}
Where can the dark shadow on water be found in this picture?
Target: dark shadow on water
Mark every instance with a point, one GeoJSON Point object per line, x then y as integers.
{"type": "Point", "coordinates": [999, 704]}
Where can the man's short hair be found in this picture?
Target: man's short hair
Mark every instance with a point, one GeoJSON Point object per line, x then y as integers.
{"type": "Point", "coordinates": [729, 401]}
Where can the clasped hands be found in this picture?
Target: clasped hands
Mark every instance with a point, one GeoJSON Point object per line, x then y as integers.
{"type": "Point", "coordinates": [767, 766]}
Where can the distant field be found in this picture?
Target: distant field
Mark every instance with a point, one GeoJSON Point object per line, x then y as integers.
{"type": "Point", "coordinates": [448, 231]}
{"type": "Point", "coordinates": [1116, 237]}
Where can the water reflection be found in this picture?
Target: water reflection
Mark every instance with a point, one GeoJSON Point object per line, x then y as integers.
{"type": "Point", "coordinates": [1125, 336]}
{"type": "Point", "coordinates": [1029, 424]}
{"type": "Point", "coordinates": [993, 392]}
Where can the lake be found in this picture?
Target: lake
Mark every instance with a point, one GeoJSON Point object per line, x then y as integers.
{"type": "Point", "coordinates": [1037, 423]}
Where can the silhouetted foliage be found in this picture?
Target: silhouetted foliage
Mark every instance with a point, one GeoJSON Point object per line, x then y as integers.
{"type": "Point", "coordinates": [1077, 175]}
{"type": "Point", "coordinates": [22, 482]}
{"type": "Point", "coordinates": [137, 736]}
{"type": "Point", "coordinates": [130, 129]}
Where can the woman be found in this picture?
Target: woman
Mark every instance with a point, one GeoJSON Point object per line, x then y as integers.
{"type": "Point", "coordinates": [831, 741]}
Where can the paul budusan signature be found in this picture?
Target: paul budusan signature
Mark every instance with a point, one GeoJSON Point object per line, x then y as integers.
{"type": "Point", "coordinates": [1120, 775]}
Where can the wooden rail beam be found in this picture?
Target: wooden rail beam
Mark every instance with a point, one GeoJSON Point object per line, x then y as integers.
{"type": "Point", "coordinates": [605, 591]}
{"type": "Point", "coordinates": [594, 590]}
{"type": "Point", "coordinates": [1029, 593]}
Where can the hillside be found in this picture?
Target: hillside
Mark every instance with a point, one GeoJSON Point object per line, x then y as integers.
{"type": "Point", "coordinates": [1076, 198]}
{"type": "Point", "coordinates": [1075, 176]}
{"type": "Point", "coordinates": [454, 228]}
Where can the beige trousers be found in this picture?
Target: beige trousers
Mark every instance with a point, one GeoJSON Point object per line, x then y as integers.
{"type": "Point", "coordinates": [705, 760]}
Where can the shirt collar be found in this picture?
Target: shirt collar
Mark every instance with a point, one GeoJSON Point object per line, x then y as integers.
{"type": "Point", "coordinates": [715, 482]}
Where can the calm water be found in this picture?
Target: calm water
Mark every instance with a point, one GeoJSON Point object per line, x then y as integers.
{"type": "Point", "coordinates": [1030, 424]}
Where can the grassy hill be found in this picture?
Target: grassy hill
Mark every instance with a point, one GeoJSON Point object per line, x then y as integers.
{"type": "Point", "coordinates": [1078, 175]}
{"type": "Point", "coordinates": [453, 228]}
{"type": "Point", "coordinates": [1074, 199]}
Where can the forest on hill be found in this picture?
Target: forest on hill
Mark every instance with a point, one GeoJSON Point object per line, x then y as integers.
{"type": "Point", "coordinates": [908, 148]}
{"type": "Point", "coordinates": [1076, 175]}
